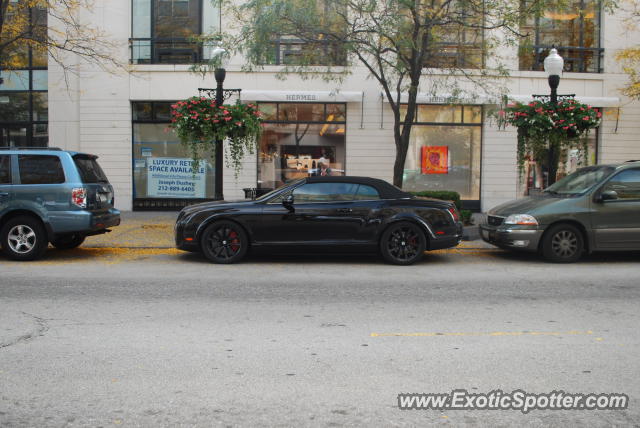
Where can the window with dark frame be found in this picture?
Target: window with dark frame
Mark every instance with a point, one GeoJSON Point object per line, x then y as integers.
{"type": "Point", "coordinates": [458, 44]}
{"type": "Point", "coordinates": [573, 29]}
{"type": "Point", "coordinates": [163, 31]}
{"type": "Point", "coordinates": [445, 151]}
{"type": "Point", "coordinates": [300, 139]}
{"type": "Point", "coordinates": [151, 138]}
{"type": "Point", "coordinates": [23, 93]}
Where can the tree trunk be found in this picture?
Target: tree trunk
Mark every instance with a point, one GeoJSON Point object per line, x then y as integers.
{"type": "Point", "coordinates": [402, 147]}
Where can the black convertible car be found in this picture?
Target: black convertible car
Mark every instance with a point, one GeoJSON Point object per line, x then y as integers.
{"type": "Point", "coordinates": [315, 213]}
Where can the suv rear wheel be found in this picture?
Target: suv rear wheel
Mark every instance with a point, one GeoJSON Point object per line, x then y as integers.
{"type": "Point", "coordinates": [23, 238]}
{"type": "Point", "coordinates": [68, 242]}
{"type": "Point", "coordinates": [563, 243]}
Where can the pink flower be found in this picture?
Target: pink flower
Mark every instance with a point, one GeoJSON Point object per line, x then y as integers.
{"type": "Point", "coordinates": [585, 118]}
{"type": "Point", "coordinates": [565, 127]}
{"type": "Point", "coordinates": [227, 119]}
{"type": "Point", "coordinates": [599, 115]}
{"type": "Point", "coordinates": [239, 123]}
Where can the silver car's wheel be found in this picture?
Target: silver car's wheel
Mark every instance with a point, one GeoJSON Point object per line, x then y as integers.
{"type": "Point", "coordinates": [563, 243]}
{"type": "Point", "coordinates": [23, 238]}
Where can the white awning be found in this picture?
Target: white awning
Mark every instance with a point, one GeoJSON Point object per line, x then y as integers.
{"type": "Point", "coordinates": [302, 96]}
{"type": "Point", "coordinates": [424, 98]}
{"type": "Point", "coordinates": [592, 101]}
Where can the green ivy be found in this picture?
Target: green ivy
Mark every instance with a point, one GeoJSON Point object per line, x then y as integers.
{"type": "Point", "coordinates": [199, 122]}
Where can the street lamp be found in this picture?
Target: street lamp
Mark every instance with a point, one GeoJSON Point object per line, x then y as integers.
{"type": "Point", "coordinates": [221, 57]}
{"type": "Point", "coordinates": [553, 65]}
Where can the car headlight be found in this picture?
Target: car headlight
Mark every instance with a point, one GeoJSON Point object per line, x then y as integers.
{"type": "Point", "coordinates": [521, 219]}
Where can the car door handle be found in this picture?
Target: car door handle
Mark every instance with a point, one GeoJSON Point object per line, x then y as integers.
{"type": "Point", "coordinates": [345, 210]}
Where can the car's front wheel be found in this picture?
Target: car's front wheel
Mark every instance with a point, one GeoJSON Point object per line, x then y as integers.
{"type": "Point", "coordinates": [68, 242]}
{"type": "Point", "coordinates": [403, 243]}
{"type": "Point", "coordinates": [224, 242]}
{"type": "Point", "coordinates": [23, 238]}
{"type": "Point", "coordinates": [563, 243]}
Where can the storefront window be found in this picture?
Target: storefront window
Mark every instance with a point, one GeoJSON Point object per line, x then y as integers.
{"type": "Point", "coordinates": [444, 151]}
{"type": "Point", "coordinates": [301, 140]}
{"type": "Point", "coordinates": [534, 175]}
{"type": "Point", "coordinates": [162, 169]}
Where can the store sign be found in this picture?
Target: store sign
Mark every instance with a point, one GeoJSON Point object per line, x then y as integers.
{"type": "Point", "coordinates": [173, 178]}
{"type": "Point", "coordinates": [435, 159]}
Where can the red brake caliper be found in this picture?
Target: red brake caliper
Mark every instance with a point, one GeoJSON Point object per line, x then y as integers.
{"type": "Point", "coordinates": [235, 242]}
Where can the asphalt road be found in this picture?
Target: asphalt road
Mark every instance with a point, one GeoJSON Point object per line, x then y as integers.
{"type": "Point", "coordinates": [116, 337]}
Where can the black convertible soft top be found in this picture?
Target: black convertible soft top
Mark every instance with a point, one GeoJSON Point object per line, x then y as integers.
{"type": "Point", "coordinates": [386, 190]}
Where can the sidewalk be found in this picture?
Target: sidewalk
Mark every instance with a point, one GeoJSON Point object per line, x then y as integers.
{"type": "Point", "coordinates": [154, 229]}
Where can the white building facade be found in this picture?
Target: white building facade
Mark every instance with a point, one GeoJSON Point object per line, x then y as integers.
{"type": "Point", "coordinates": [122, 117]}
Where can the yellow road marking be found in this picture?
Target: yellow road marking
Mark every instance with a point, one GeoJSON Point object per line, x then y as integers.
{"type": "Point", "coordinates": [490, 333]}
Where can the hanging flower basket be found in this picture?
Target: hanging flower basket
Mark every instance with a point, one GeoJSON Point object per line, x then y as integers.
{"type": "Point", "coordinates": [542, 125]}
{"type": "Point", "coordinates": [199, 123]}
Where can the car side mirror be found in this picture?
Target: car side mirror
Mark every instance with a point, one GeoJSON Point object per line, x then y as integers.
{"type": "Point", "coordinates": [609, 195]}
{"type": "Point", "coordinates": [287, 202]}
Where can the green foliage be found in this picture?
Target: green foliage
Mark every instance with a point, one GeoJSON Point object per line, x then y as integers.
{"type": "Point", "coordinates": [199, 122]}
{"type": "Point", "coordinates": [445, 195]}
{"type": "Point", "coordinates": [465, 216]}
{"type": "Point", "coordinates": [542, 125]}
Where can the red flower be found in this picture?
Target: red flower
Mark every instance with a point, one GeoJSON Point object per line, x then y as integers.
{"type": "Point", "coordinates": [227, 119]}
{"type": "Point", "coordinates": [565, 127]}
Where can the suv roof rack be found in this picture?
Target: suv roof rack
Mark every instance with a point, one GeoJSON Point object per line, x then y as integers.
{"type": "Point", "coordinates": [31, 148]}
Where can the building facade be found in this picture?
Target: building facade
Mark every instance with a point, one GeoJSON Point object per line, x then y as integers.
{"type": "Point", "coordinates": [312, 126]}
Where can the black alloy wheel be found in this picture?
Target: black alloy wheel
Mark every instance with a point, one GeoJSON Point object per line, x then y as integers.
{"type": "Point", "coordinates": [224, 242]}
{"type": "Point", "coordinates": [403, 243]}
{"type": "Point", "coordinates": [68, 242]}
{"type": "Point", "coordinates": [562, 243]}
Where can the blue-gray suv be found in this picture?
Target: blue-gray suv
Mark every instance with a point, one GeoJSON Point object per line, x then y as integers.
{"type": "Point", "coordinates": [51, 195]}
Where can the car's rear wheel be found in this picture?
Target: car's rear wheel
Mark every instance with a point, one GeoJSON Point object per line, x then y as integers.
{"type": "Point", "coordinates": [403, 243]}
{"type": "Point", "coordinates": [23, 238]}
{"type": "Point", "coordinates": [68, 242]}
{"type": "Point", "coordinates": [224, 242]}
{"type": "Point", "coordinates": [563, 243]}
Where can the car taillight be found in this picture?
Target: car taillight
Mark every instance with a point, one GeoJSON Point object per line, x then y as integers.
{"type": "Point", "coordinates": [454, 213]}
{"type": "Point", "coordinates": [79, 197]}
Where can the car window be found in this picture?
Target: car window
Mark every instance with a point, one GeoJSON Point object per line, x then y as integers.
{"type": "Point", "coordinates": [5, 169]}
{"type": "Point", "coordinates": [324, 192]}
{"type": "Point", "coordinates": [40, 169]}
{"type": "Point", "coordinates": [366, 193]}
{"type": "Point", "coordinates": [580, 181]}
{"type": "Point", "coordinates": [90, 171]}
{"type": "Point", "coordinates": [626, 184]}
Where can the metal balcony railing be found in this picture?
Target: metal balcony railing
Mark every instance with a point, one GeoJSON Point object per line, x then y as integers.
{"type": "Point", "coordinates": [321, 52]}
{"type": "Point", "coordinates": [576, 59]}
{"type": "Point", "coordinates": [164, 51]}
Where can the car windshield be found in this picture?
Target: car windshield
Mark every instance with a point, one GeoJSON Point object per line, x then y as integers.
{"type": "Point", "coordinates": [580, 181]}
{"type": "Point", "coordinates": [267, 196]}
